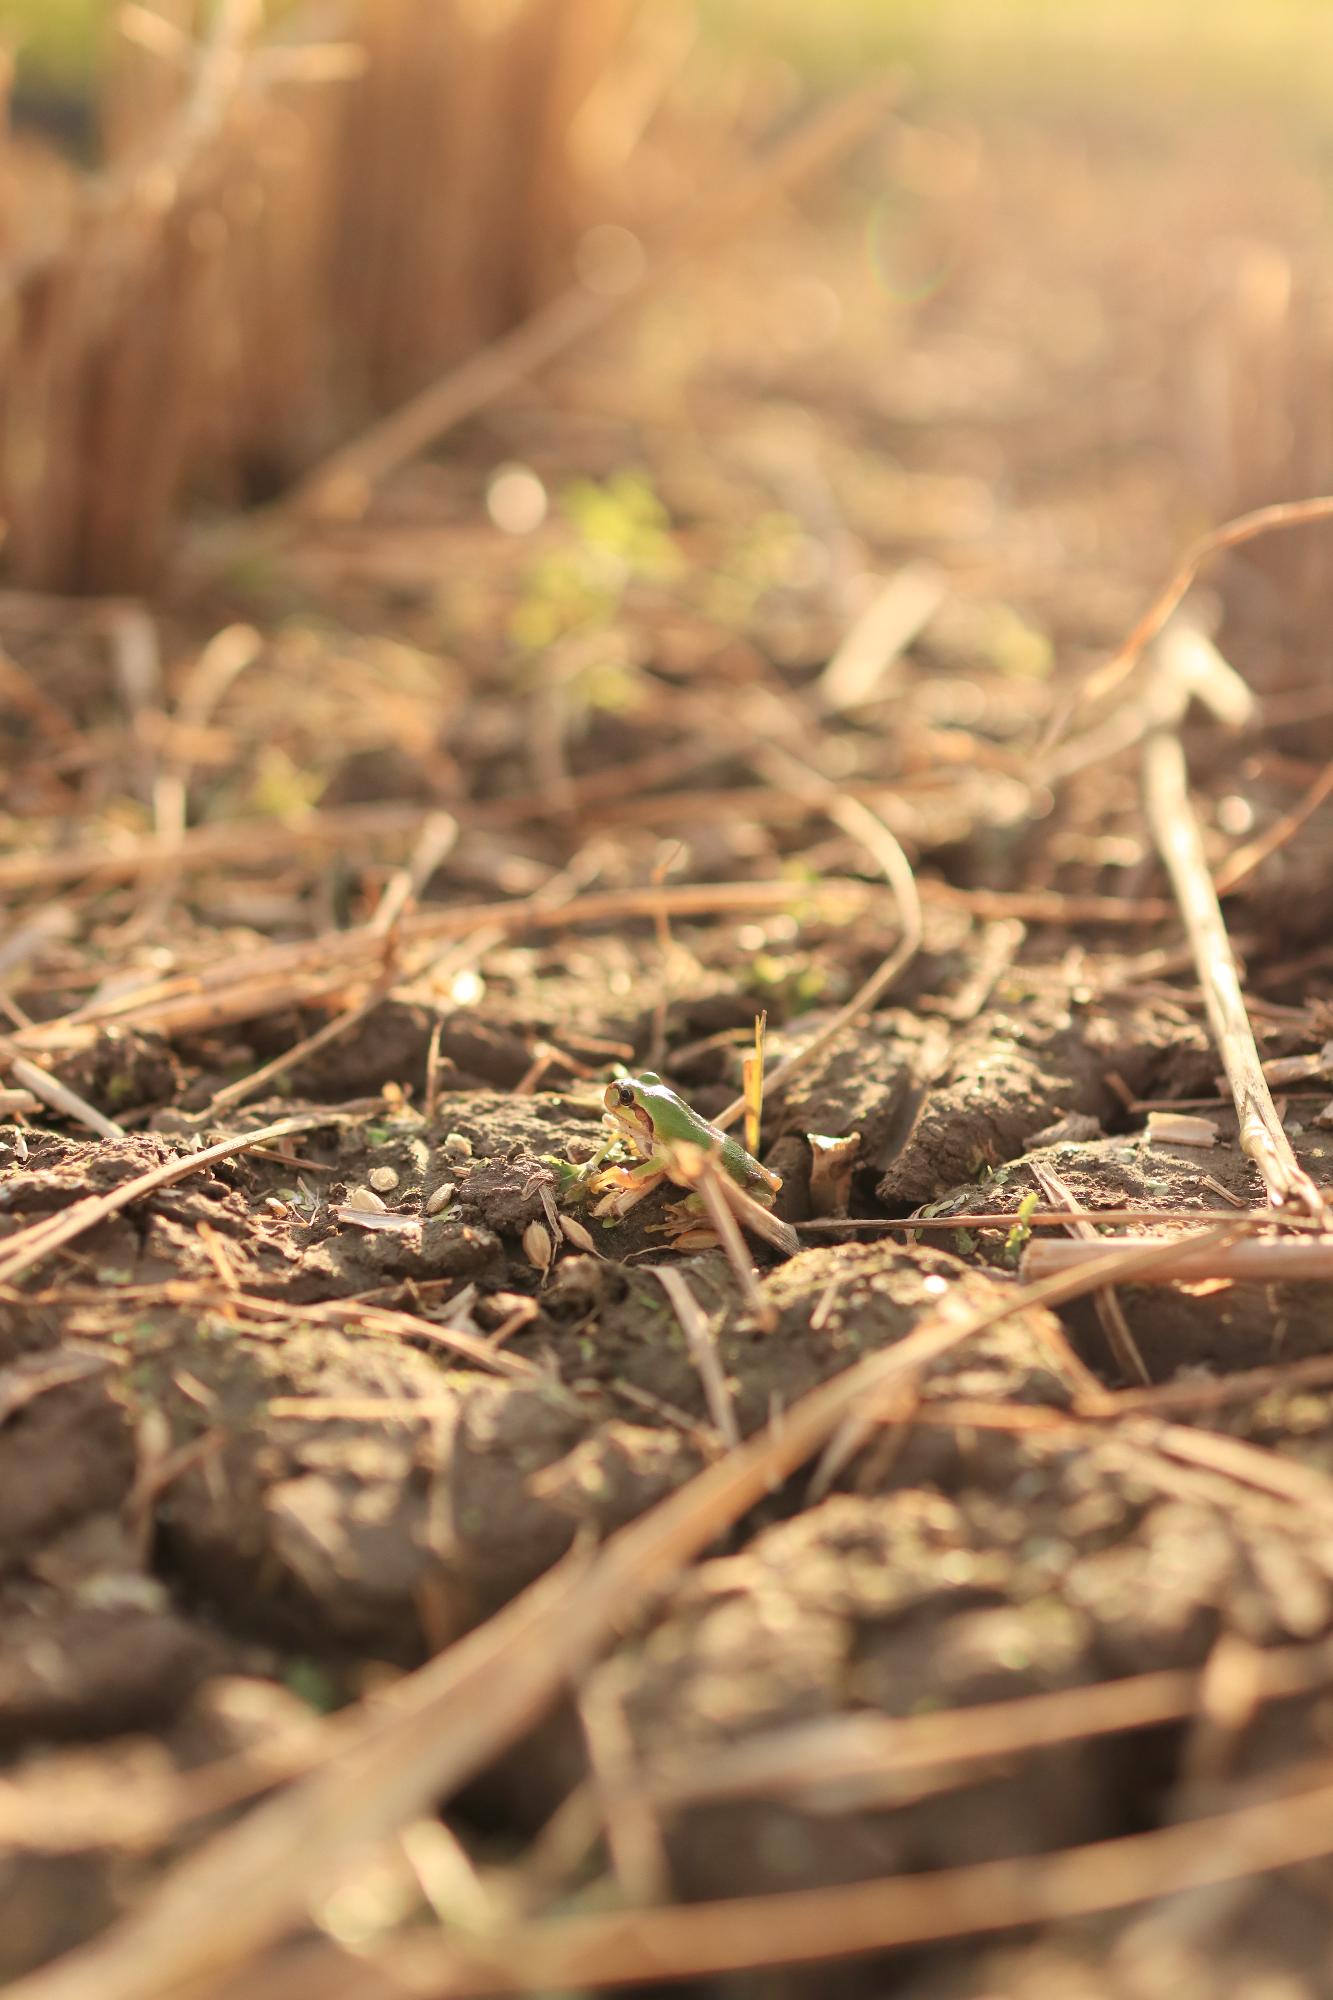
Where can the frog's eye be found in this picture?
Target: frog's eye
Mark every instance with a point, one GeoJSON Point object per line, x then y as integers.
{"type": "Point", "coordinates": [620, 1093]}
{"type": "Point", "coordinates": [650, 1076]}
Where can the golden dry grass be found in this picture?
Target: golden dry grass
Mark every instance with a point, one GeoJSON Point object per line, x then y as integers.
{"type": "Point", "coordinates": [291, 229]}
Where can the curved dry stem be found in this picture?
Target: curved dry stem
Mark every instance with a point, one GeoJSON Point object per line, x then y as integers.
{"type": "Point", "coordinates": [1231, 535]}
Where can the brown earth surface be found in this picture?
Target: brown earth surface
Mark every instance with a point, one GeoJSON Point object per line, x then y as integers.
{"type": "Point", "coordinates": [266, 1447]}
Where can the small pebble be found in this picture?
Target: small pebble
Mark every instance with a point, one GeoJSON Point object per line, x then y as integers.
{"type": "Point", "coordinates": [383, 1179]}
{"type": "Point", "coordinates": [457, 1147]}
{"type": "Point", "coordinates": [366, 1198]}
{"type": "Point", "coordinates": [441, 1198]}
{"type": "Point", "coordinates": [1178, 1128]}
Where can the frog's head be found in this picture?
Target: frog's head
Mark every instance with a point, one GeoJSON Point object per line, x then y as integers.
{"type": "Point", "coordinates": [628, 1102]}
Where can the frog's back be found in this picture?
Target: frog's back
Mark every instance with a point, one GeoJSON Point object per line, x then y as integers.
{"type": "Point", "coordinates": [742, 1166]}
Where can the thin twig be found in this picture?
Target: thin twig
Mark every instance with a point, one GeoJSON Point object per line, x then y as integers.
{"type": "Point", "coordinates": [629, 1812]}
{"type": "Point", "coordinates": [1049, 906]}
{"type": "Point", "coordinates": [708, 1177]}
{"type": "Point", "coordinates": [1242, 862]}
{"type": "Point", "coordinates": [1215, 1392]}
{"type": "Point", "coordinates": [1243, 528]}
{"type": "Point", "coordinates": [1304, 1487]}
{"type": "Point", "coordinates": [1176, 832]}
{"type": "Point", "coordinates": [251, 843]}
{"type": "Point", "coordinates": [393, 1325]}
{"type": "Point", "coordinates": [226, 656]}
{"type": "Point", "coordinates": [431, 1096]}
{"type": "Point", "coordinates": [62, 1099]}
{"type": "Point", "coordinates": [1190, 662]}
{"type": "Point", "coordinates": [703, 1351]}
{"type": "Point", "coordinates": [1106, 1304]}
{"type": "Point", "coordinates": [867, 827]}
{"type": "Point", "coordinates": [858, 1757]}
{"type": "Point", "coordinates": [279, 976]}
{"type": "Point", "coordinates": [33, 1245]}
{"type": "Point", "coordinates": [245, 1087]}
{"type": "Point", "coordinates": [434, 844]}
{"type": "Point", "coordinates": [1049, 1218]}
{"type": "Point", "coordinates": [137, 653]}
{"type": "Point", "coordinates": [811, 1926]}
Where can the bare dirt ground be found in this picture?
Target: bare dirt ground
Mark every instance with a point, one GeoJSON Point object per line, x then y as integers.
{"type": "Point", "coordinates": [277, 1431]}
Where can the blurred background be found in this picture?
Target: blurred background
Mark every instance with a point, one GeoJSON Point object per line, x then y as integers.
{"type": "Point", "coordinates": [234, 233]}
{"type": "Point", "coordinates": [513, 374]}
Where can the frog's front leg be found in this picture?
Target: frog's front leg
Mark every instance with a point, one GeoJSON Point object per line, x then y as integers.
{"type": "Point", "coordinates": [634, 1184]}
{"type": "Point", "coordinates": [589, 1166]}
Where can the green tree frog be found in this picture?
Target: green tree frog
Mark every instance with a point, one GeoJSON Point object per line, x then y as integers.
{"type": "Point", "coordinates": [654, 1119]}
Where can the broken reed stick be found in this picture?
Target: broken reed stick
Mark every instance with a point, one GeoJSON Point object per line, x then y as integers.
{"type": "Point", "coordinates": [59, 1096]}
{"type": "Point", "coordinates": [29, 1247]}
{"type": "Point", "coordinates": [759, 1220]}
{"type": "Point", "coordinates": [1190, 665]}
{"type": "Point", "coordinates": [256, 1883]}
{"type": "Point", "coordinates": [1049, 906]}
{"type": "Point", "coordinates": [1278, 1261]}
{"type": "Point", "coordinates": [635, 1843]}
{"type": "Point", "coordinates": [1249, 1384]}
{"type": "Point", "coordinates": [860, 669]}
{"type": "Point", "coordinates": [1176, 832]}
{"type": "Point", "coordinates": [1268, 1472]}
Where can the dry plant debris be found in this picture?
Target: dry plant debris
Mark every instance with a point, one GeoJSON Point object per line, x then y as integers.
{"type": "Point", "coordinates": [413, 1579]}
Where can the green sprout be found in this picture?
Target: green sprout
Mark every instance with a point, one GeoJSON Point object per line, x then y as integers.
{"type": "Point", "coordinates": [1016, 1240]}
{"type": "Point", "coordinates": [620, 536]}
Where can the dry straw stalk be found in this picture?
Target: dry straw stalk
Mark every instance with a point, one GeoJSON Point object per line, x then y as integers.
{"type": "Point", "coordinates": [291, 231]}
